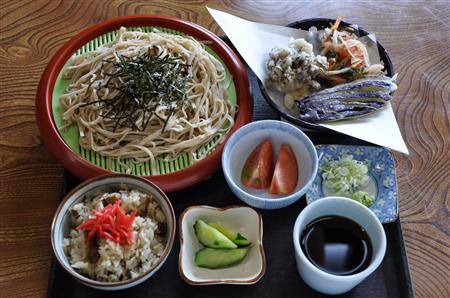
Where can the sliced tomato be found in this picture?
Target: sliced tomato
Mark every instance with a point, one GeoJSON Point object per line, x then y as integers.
{"type": "Point", "coordinates": [258, 168]}
{"type": "Point", "coordinates": [285, 175]}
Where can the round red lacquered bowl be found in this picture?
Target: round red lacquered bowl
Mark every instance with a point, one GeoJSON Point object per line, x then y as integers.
{"type": "Point", "coordinates": [173, 181]}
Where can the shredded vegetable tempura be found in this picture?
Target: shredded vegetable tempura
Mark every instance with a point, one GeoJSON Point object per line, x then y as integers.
{"type": "Point", "coordinates": [347, 56]}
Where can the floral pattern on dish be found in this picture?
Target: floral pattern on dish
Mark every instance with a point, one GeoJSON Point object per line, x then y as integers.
{"type": "Point", "coordinates": [381, 166]}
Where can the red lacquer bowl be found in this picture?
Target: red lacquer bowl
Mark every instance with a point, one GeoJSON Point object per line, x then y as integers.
{"type": "Point", "coordinates": [168, 182]}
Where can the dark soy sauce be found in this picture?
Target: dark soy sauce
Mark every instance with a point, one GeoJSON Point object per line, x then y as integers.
{"type": "Point", "coordinates": [337, 245]}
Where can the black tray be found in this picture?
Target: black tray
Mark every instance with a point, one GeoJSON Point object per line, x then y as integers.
{"type": "Point", "coordinates": [391, 279]}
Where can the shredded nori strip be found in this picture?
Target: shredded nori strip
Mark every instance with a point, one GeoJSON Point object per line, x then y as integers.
{"type": "Point", "coordinates": [144, 82]}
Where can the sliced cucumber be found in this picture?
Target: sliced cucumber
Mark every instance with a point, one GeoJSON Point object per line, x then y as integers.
{"type": "Point", "coordinates": [210, 237]}
{"type": "Point", "coordinates": [214, 258]}
{"type": "Point", "coordinates": [236, 237]}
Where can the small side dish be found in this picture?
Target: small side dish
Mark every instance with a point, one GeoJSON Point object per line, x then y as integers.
{"type": "Point", "coordinates": [221, 245]}
{"type": "Point", "coordinates": [116, 236]}
{"type": "Point", "coordinates": [260, 172]}
{"type": "Point", "coordinates": [362, 173]}
{"type": "Point", "coordinates": [296, 167]}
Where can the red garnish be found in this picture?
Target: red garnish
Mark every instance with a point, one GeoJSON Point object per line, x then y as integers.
{"type": "Point", "coordinates": [111, 223]}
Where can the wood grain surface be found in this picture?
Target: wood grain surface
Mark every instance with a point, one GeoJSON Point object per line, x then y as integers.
{"type": "Point", "coordinates": [416, 33]}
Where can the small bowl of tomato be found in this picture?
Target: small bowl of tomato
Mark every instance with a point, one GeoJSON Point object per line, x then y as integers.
{"type": "Point", "coordinates": [269, 164]}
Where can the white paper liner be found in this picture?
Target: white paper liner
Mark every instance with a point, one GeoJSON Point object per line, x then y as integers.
{"type": "Point", "coordinates": [254, 42]}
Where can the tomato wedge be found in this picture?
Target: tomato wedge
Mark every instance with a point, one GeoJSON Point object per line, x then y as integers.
{"type": "Point", "coordinates": [258, 168]}
{"type": "Point", "coordinates": [285, 175]}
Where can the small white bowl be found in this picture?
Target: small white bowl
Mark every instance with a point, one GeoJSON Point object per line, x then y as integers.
{"type": "Point", "coordinates": [245, 139]}
{"type": "Point", "coordinates": [61, 224]}
{"type": "Point", "coordinates": [322, 281]}
{"type": "Point", "coordinates": [243, 219]}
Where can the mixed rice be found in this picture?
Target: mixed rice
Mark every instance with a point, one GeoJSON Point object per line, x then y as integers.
{"type": "Point", "coordinates": [106, 260]}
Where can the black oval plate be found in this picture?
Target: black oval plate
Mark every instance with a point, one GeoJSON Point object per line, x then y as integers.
{"type": "Point", "coordinates": [322, 23]}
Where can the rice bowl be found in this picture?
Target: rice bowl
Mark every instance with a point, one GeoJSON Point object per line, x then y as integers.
{"type": "Point", "coordinates": [106, 260]}
{"type": "Point", "coordinates": [101, 259]}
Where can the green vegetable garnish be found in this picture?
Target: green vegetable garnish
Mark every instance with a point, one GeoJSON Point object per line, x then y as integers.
{"type": "Point", "coordinates": [345, 176]}
{"type": "Point", "coordinates": [363, 197]}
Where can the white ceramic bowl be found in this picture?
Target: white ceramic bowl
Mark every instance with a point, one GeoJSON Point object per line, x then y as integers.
{"type": "Point", "coordinates": [242, 143]}
{"type": "Point", "coordinates": [61, 226]}
{"type": "Point", "coordinates": [334, 284]}
{"type": "Point", "coordinates": [243, 219]}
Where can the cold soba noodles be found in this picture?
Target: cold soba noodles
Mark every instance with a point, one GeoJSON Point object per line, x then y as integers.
{"type": "Point", "coordinates": [146, 95]}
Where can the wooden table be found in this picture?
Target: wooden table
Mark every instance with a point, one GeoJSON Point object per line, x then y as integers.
{"type": "Point", "coordinates": [416, 33]}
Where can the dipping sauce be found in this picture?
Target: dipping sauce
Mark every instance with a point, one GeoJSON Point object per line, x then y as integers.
{"type": "Point", "coordinates": [337, 245]}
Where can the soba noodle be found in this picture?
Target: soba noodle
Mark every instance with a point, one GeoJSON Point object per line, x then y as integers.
{"type": "Point", "coordinates": [206, 114]}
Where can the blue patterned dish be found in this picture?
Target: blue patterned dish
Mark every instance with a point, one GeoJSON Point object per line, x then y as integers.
{"type": "Point", "coordinates": [383, 184]}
